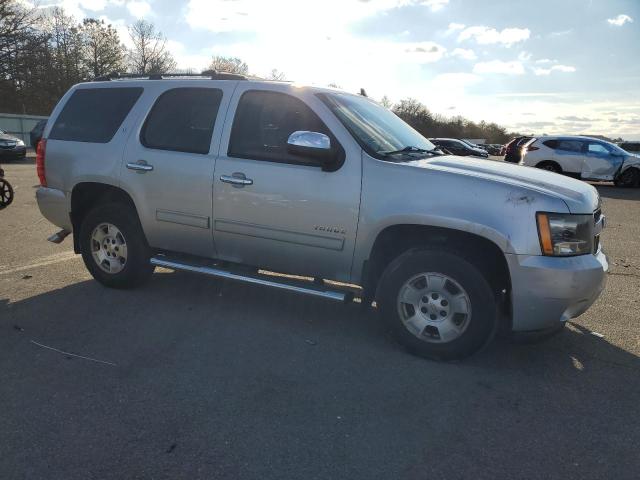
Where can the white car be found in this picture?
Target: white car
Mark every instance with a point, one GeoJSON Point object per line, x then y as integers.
{"type": "Point", "coordinates": [583, 157]}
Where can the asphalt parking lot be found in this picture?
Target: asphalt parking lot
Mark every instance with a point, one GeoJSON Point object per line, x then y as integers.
{"type": "Point", "coordinates": [203, 378]}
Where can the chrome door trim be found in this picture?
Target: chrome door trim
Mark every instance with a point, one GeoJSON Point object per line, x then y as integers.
{"type": "Point", "coordinates": [287, 236]}
{"type": "Point", "coordinates": [181, 218]}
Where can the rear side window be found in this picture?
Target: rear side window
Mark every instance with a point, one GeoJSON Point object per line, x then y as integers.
{"type": "Point", "coordinates": [264, 120]}
{"type": "Point", "coordinates": [570, 145]}
{"type": "Point", "coordinates": [182, 120]}
{"type": "Point", "coordinates": [94, 115]}
{"type": "Point", "coordinates": [551, 143]}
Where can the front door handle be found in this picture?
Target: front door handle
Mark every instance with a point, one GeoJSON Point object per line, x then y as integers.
{"type": "Point", "coordinates": [141, 166]}
{"type": "Point", "coordinates": [237, 179]}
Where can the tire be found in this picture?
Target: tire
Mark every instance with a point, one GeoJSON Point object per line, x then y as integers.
{"type": "Point", "coordinates": [6, 193]}
{"type": "Point", "coordinates": [464, 287]}
{"type": "Point", "coordinates": [629, 178]}
{"type": "Point", "coordinates": [123, 248]}
{"type": "Point", "coordinates": [549, 166]}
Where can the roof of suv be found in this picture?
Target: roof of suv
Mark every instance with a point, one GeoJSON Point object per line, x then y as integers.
{"type": "Point", "coordinates": [188, 79]}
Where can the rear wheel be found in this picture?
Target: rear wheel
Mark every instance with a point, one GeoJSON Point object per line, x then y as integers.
{"type": "Point", "coordinates": [113, 246]}
{"type": "Point", "coordinates": [629, 178]}
{"type": "Point", "coordinates": [438, 304]}
{"type": "Point", "coordinates": [549, 166]}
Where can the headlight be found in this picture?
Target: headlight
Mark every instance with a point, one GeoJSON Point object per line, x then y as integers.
{"type": "Point", "coordinates": [20, 143]}
{"type": "Point", "coordinates": [564, 235]}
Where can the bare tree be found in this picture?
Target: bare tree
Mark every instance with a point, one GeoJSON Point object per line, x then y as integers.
{"type": "Point", "coordinates": [103, 51]}
{"type": "Point", "coordinates": [65, 43]}
{"type": "Point", "coordinates": [385, 102]}
{"type": "Point", "coordinates": [228, 65]}
{"type": "Point", "coordinates": [276, 74]}
{"type": "Point", "coordinates": [149, 53]}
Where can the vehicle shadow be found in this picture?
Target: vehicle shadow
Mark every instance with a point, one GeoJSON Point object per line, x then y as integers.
{"type": "Point", "coordinates": [265, 376]}
{"type": "Point", "coordinates": [611, 191]}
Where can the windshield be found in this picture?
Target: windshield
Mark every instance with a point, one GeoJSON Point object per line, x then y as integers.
{"type": "Point", "coordinates": [377, 129]}
{"type": "Point", "coordinates": [616, 149]}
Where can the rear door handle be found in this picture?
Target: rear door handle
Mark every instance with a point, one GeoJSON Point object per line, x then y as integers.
{"type": "Point", "coordinates": [237, 179]}
{"type": "Point", "coordinates": [140, 166]}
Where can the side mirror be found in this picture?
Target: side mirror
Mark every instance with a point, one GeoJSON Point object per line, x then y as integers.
{"type": "Point", "coordinates": [311, 144]}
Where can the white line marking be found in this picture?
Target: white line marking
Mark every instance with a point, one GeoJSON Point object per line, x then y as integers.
{"type": "Point", "coordinates": [57, 258]}
{"type": "Point", "coordinates": [73, 354]}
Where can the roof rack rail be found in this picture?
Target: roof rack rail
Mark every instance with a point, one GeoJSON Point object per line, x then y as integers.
{"type": "Point", "coordinates": [207, 74]}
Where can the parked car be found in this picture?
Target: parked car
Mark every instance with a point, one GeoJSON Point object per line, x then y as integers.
{"type": "Point", "coordinates": [631, 147]}
{"type": "Point", "coordinates": [458, 147]}
{"type": "Point", "coordinates": [583, 157]}
{"type": "Point", "coordinates": [11, 148]}
{"type": "Point", "coordinates": [513, 152]}
{"type": "Point", "coordinates": [494, 149]}
{"type": "Point", "coordinates": [473, 145]}
{"type": "Point", "coordinates": [229, 177]}
{"type": "Point", "coordinates": [36, 133]}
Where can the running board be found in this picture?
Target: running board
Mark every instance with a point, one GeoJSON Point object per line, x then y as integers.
{"type": "Point", "coordinates": [306, 288]}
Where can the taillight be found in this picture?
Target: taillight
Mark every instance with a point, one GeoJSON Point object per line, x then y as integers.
{"type": "Point", "coordinates": [40, 152]}
{"type": "Point", "coordinates": [531, 148]}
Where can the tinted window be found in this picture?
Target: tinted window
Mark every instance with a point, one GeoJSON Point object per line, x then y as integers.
{"type": "Point", "coordinates": [182, 120]}
{"type": "Point", "coordinates": [94, 115]}
{"type": "Point", "coordinates": [263, 123]}
{"type": "Point", "coordinates": [570, 145]}
{"type": "Point", "coordinates": [551, 143]}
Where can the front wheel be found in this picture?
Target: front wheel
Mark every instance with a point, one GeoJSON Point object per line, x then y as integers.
{"type": "Point", "coordinates": [438, 304]}
{"type": "Point", "coordinates": [113, 246]}
{"type": "Point", "coordinates": [629, 178]}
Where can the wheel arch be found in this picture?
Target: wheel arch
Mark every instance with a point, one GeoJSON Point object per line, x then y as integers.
{"type": "Point", "coordinates": [86, 195]}
{"type": "Point", "coordinates": [397, 239]}
{"type": "Point", "coordinates": [541, 163]}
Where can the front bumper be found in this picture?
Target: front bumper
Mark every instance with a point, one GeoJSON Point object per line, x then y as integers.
{"type": "Point", "coordinates": [13, 153]}
{"type": "Point", "coordinates": [55, 206]}
{"type": "Point", "coordinates": [547, 291]}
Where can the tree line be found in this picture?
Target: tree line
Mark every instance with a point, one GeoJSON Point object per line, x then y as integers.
{"type": "Point", "coordinates": [43, 52]}
{"type": "Point", "coordinates": [435, 125]}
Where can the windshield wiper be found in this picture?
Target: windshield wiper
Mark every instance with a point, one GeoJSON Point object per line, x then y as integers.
{"type": "Point", "coordinates": [412, 149]}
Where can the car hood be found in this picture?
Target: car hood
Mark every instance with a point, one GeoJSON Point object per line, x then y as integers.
{"type": "Point", "coordinates": [580, 197]}
{"type": "Point", "coordinates": [6, 136]}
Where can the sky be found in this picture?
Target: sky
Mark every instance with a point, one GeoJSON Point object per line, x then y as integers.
{"type": "Point", "coordinates": [543, 66]}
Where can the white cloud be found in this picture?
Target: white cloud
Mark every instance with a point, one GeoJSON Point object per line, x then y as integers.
{"type": "Point", "coordinates": [513, 67]}
{"type": "Point", "coordinates": [423, 52]}
{"type": "Point", "coordinates": [486, 36]}
{"type": "Point", "coordinates": [464, 53]}
{"type": "Point", "coordinates": [554, 68]}
{"type": "Point", "coordinates": [544, 61]}
{"type": "Point", "coordinates": [620, 20]}
{"type": "Point", "coordinates": [435, 5]}
{"type": "Point", "coordinates": [139, 9]}
{"type": "Point", "coordinates": [454, 27]}
{"type": "Point", "coordinates": [524, 56]}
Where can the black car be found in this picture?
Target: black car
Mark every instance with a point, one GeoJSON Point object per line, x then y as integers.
{"type": "Point", "coordinates": [631, 147]}
{"type": "Point", "coordinates": [513, 152]}
{"type": "Point", "coordinates": [11, 147]}
{"type": "Point", "coordinates": [36, 134]}
{"type": "Point", "coordinates": [458, 147]}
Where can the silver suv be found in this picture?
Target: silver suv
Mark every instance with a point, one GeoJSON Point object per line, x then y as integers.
{"type": "Point", "coordinates": [238, 178]}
